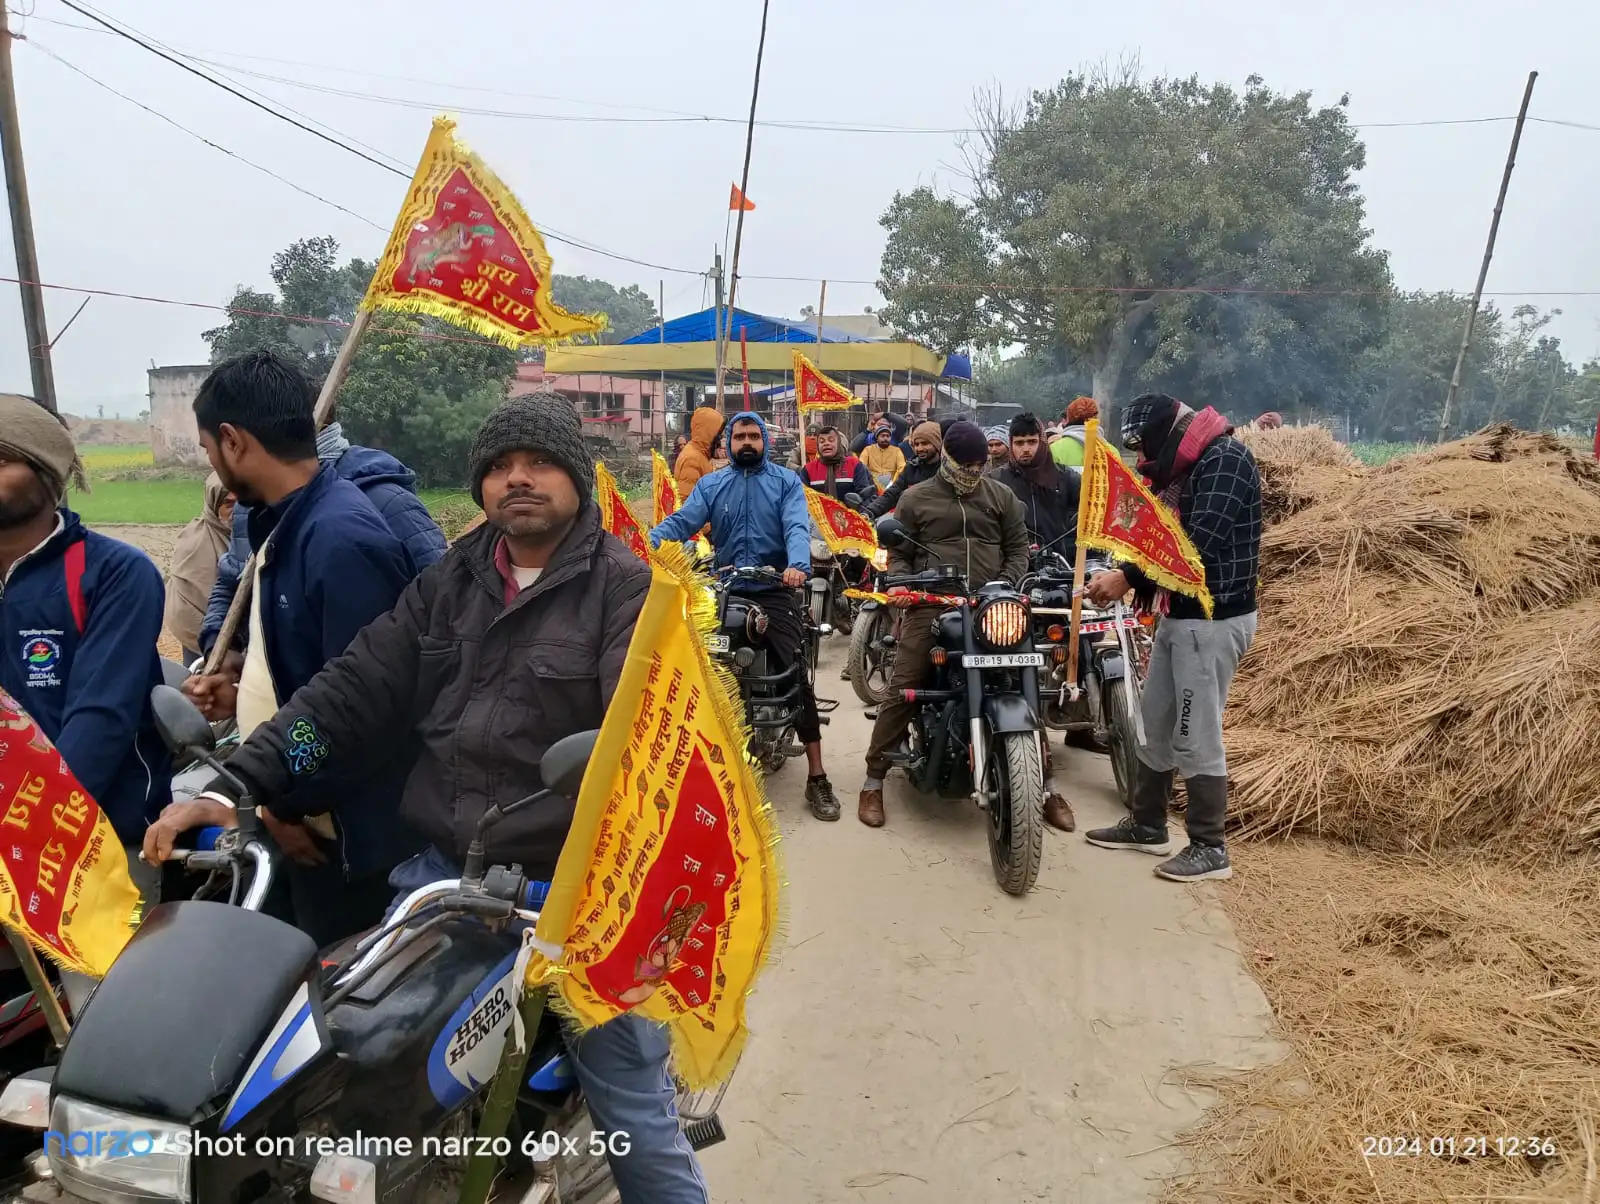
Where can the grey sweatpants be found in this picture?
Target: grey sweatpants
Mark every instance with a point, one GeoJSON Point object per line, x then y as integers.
{"type": "Point", "coordinates": [1191, 667]}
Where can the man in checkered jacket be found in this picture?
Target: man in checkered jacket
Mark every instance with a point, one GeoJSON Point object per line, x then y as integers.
{"type": "Point", "coordinates": [1209, 478]}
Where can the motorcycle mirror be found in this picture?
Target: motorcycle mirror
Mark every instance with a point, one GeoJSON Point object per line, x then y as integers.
{"type": "Point", "coordinates": [172, 673]}
{"type": "Point", "coordinates": [564, 762]}
{"type": "Point", "coordinates": [183, 728]}
{"type": "Point", "coordinates": [853, 499]}
{"type": "Point", "coordinates": [891, 531]}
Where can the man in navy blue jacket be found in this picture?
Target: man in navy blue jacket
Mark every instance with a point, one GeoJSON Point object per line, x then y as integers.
{"type": "Point", "coordinates": [389, 485]}
{"type": "Point", "coordinates": [327, 566]}
{"type": "Point", "coordinates": [79, 616]}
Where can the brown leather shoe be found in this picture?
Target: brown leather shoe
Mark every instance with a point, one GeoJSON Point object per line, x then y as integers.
{"type": "Point", "coordinates": [870, 808]}
{"type": "Point", "coordinates": [1057, 814]}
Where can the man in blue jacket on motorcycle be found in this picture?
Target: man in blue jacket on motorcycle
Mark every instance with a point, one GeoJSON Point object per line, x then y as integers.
{"type": "Point", "coordinates": [758, 516]}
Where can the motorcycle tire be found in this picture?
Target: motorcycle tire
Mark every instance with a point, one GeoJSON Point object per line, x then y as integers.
{"type": "Point", "coordinates": [1016, 819]}
{"type": "Point", "coordinates": [871, 667]}
{"type": "Point", "coordinates": [1124, 744]}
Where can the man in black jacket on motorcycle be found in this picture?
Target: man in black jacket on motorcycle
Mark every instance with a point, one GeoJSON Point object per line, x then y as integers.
{"type": "Point", "coordinates": [513, 641]}
{"type": "Point", "coordinates": [927, 443]}
{"type": "Point", "coordinates": [1049, 497]}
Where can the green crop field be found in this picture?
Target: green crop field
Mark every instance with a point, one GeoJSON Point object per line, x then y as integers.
{"type": "Point", "coordinates": [1382, 453]}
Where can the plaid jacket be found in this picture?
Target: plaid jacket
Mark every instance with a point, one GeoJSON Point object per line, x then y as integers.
{"type": "Point", "coordinates": [1220, 507]}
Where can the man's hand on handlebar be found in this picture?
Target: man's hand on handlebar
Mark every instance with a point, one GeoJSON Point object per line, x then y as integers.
{"type": "Point", "coordinates": [1105, 588]}
{"type": "Point", "coordinates": [794, 578]}
{"type": "Point", "coordinates": [183, 816]}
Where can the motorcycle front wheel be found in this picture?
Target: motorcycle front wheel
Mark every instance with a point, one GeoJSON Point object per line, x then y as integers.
{"type": "Point", "coordinates": [871, 665]}
{"type": "Point", "coordinates": [1124, 744]}
{"type": "Point", "coordinates": [1016, 818]}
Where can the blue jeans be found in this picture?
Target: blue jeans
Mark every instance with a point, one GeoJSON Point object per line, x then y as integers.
{"type": "Point", "coordinates": [622, 1067]}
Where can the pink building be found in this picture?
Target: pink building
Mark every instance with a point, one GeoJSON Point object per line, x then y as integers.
{"type": "Point", "coordinates": [608, 405]}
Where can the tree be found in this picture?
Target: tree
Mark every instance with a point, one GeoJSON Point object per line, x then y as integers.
{"type": "Point", "coordinates": [629, 310]}
{"type": "Point", "coordinates": [1103, 186]}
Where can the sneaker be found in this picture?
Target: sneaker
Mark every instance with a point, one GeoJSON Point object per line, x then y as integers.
{"type": "Point", "coordinates": [1196, 863]}
{"type": "Point", "coordinates": [1129, 835]}
{"type": "Point", "coordinates": [819, 794]}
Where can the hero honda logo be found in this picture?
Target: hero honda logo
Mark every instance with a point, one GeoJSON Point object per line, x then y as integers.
{"type": "Point", "coordinates": [488, 1019]}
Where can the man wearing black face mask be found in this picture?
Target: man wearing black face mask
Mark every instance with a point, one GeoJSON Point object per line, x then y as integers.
{"type": "Point", "coordinates": [1209, 479]}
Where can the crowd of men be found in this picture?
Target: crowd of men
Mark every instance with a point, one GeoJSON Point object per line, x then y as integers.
{"type": "Point", "coordinates": [388, 690]}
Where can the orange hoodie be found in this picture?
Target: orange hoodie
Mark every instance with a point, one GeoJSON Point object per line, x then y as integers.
{"type": "Point", "coordinates": [694, 461]}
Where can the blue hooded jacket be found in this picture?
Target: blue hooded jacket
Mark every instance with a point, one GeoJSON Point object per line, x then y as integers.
{"type": "Point", "coordinates": [758, 515]}
{"type": "Point", "coordinates": [89, 690]}
{"type": "Point", "coordinates": [334, 567]}
{"type": "Point", "coordinates": [389, 485]}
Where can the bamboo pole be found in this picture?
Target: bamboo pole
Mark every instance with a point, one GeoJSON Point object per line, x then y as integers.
{"type": "Point", "coordinates": [319, 417]}
{"type": "Point", "coordinates": [744, 181]}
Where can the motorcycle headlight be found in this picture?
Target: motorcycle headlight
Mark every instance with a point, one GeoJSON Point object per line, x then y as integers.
{"type": "Point", "coordinates": [880, 559]}
{"type": "Point", "coordinates": [820, 551]}
{"type": "Point", "coordinates": [116, 1157]}
{"type": "Point", "coordinates": [1003, 623]}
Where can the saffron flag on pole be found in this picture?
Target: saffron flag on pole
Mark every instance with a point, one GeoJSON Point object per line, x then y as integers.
{"type": "Point", "coordinates": [738, 200]}
{"type": "Point", "coordinates": [462, 249]}
{"type": "Point", "coordinates": [843, 529]}
{"type": "Point", "coordinates": [615, 515]}
{"type": "Point", "coordinates": [64, 881]}
{"type": "Point", "coordinates": [1118, 514]}
{"type": "Point", "coordinates": [665, 897]}
{"type": "Point", "coordinates": [663, 489]}
{"type": "Point", "coordinates": [815, 390]}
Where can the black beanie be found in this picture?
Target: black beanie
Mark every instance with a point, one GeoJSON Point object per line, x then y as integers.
{"type": "Point", "coordinates": [540, 422]}
{"type": "Point", "coordinates": [966, 444]}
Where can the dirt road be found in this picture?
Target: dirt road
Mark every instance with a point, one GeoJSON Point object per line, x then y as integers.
{"type": "Point", "coordinates": [924, 1037]}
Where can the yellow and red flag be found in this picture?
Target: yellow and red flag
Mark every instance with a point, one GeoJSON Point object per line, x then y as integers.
{"type": "Point", "coordinates": [738, 200]}
{"type": "Point", "coordinates": [463, 250]}
{"type": "Point", "coordinates": [814, 390]}
{"type": "Point", "coordinates": [663, 489]}
{"type": "Point", "coordinates": [64, 881]}
{"type": "Point", "coordinates": [1118, 514]}
{"type": "Point", "coordinates": [665, 898]}
{"type": "Point", "coordinates": [615, 515]}
{"type": "Point", "coordinates": [844, 530]}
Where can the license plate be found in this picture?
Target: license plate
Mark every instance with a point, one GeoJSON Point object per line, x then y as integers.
{"type": "Point", "coordinates": [1004, 660]}
{"type": "Point", "coordinates": [716, 643]}
{"type": "Point", "coordinates": [1110, 624]}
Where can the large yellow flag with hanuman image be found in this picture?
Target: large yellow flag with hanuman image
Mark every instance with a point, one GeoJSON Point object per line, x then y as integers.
{"type": "Point", "coordinates": [665, 898]}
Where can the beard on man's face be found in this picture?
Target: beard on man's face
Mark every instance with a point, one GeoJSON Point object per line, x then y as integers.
{"type": "Point", "coordinates": [20, 509]}
{"type": "Point", "coordinates": [747, 457]}
{"type": "Point", "coordinates": [528, 514]}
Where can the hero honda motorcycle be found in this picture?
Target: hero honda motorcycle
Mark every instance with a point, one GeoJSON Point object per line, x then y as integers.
{"type": "Point", "coordinates": [976, 731]}
{"type": "Point", "coordinates": [771, 695]}
{"type": "Point", "coordinates": [235, 1087]}
{"type": "Point", "coordinates": [1104, 701]}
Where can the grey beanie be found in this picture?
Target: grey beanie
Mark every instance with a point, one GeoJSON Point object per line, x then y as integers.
{"type": "Point", "coordinates": [542, 422]}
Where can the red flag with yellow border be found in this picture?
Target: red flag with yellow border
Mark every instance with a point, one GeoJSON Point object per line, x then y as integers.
{"type": "Point", "coordinates": [463, 250]}
{"type": "Point", "coordinates": [64, 881]}
{"type": "Point", "coordinates": [665, 897]}
{"type": "Point", "coordinates": [844, 530]}
{"type": "Point", "coordinates": [615, 515]}
{"type": "Point", "coordinates": [1118, 514]}
{"type": "Point", "coordinates": [663, 489]}
{"type": "Point", "coordinates": [815, 390]}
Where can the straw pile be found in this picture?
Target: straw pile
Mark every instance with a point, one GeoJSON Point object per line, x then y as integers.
{"type": "Point", "coordinates": [1428, 668]}
{"type": "Point", "coordinates": [1421, 1000]}
{"type": "Point", "coordinates": [1299, 465]}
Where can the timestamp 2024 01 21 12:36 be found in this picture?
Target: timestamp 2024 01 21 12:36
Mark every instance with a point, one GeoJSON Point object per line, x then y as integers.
{"type": "Point", "coordinates": [1508, 1145]}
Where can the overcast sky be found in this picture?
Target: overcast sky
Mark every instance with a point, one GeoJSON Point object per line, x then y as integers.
{"type": "Point", "coordinates": [125, 202]}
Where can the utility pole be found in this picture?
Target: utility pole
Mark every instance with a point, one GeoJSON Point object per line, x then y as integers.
{"type": "Point", "coordinates": [722, 342]}
{"type": "Point", "coordinates": [744, 190]}
{"type": "Point", "coordinates": [33, 322]}
{"type": "Point", "coordinates": [1488, 253]}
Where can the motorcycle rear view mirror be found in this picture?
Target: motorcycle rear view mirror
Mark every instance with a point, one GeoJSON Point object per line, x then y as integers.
{"type": "Point", "coordinates": [853, 499]}
{"type": "Point", "coordinates": [183, 728]}
{"type": "Point", "coordinates": [564, 762]}
{"type": "Point", "coordinates": [891, 531]}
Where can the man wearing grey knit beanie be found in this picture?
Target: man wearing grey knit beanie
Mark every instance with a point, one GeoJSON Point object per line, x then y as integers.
{"type": "Point", "coordinates": [515, 640]}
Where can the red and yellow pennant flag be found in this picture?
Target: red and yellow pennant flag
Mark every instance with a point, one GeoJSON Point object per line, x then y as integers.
{"type": "Point", "coordinates": [1118, 514]}
{"type": "Point", "coordinates": [615, 515]}
{"type": "Point", "coordinates": [814, 390]}
{"type": "Point", "coordinates": [844, 530]}
{"type": "Point", "coordinates": [665, 898]}
{"type": "Point", "coordinates": [463, 250]}
{"type": "Point", "coordinates": [663, 489]}
{"type": "Point", "coordinates": [738, 200]}
{"type": "Point", "coordinates": [63, 876]}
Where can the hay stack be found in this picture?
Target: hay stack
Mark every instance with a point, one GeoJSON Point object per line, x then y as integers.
{"type": "Point", "coordinates": [1299, 465]}
{"type": "Point", "coordinates": [1428, 668]}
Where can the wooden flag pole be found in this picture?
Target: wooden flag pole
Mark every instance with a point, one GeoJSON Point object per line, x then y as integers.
{"type": "Point", "coordinates": [1090, 437]}
{"type": "Point", "coordinates": [319, 415]}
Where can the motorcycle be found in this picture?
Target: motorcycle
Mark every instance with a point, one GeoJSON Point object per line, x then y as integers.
{"type": "Point", "coordinates": [280, 1072]}
{"type": "Point", "coordinates": [976, 732]}
{"type": "Point", "coordinates": [1104, 701]}
{"type": "Point", "coordinates": [771, 695]}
